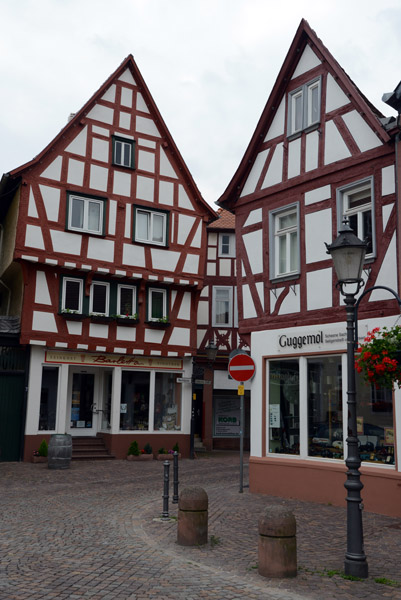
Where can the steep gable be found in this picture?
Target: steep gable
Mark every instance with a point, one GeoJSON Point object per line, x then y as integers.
{"type": "Point", "coordinates": [314, 118]}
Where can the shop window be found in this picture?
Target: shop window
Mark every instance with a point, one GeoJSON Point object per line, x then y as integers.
{"type": "Point", "coordinates": [157, 304]}
{"type": "Point", "coordinates": [325, 412]}
{"type": "Point", "coordinates": [375, 423]}
{"type": "Point", "coordinates": [126, 300]}
{"type": "Point", "coordinates": [227, 245]}
{"type": "Point", "coordinates": [48, 399]}
{"type": "Point", "coordinates": [222, 306]}
{"type": "Point", "coordinates": [85, 214]}
{"type": "Point", "coordinates": [355, 202]}
{"type": "Point", "coordinates": [284, 242]}
{"type": "Point", "coordinates": [71, 295]}
{"type": "Point", "coordinates": [284, 407]}
{"type": "Point", "coordinates": [134, 408]}
{"type": "Point", "coordinates": [99, 298]}
{"type": "Point", "coordinates": [123, 152]}
{"type": "Point", "coordinates": [304, 107]}
{"type": "Point", "coordinates": [150, 226]}
{"type": "Point", "coordinates": [167, 402]}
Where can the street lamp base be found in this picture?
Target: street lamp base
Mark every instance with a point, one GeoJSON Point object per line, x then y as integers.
{"type": "Point", "coordinates": [356, 568]}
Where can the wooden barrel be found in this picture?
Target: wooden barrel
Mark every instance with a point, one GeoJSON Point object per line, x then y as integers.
{"type": "Point", "coordinates": [60, 451]}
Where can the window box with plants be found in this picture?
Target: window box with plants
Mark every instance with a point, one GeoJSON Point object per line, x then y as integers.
{"type": "Point", "coordinates": [100, 318]}
{"type": "Point", "coordinates": [378, 359]}
{"type": "Point", "coordinates": [135, 454]}
{"type": "Point", "coordinates": [164, 454]}
{"type": "Point", "coordinates": [127, 319]}
{"type": "Point", "coordinates": [72, 315]}
{"type": "Point", "coordinates": [40, 455]}
{"type": "Point", "coordinates": [161, 323]}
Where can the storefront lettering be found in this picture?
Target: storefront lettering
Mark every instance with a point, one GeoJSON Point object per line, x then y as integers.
{"type": "Point", "coordinates": [300, 341]}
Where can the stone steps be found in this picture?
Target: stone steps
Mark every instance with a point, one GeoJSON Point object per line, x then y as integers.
{"type": "Point", "coordinates": [90, 448]}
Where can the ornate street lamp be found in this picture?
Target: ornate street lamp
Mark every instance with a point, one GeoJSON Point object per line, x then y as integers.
{"type": "Point", "coordinates": [211, 352]}
{"type": "Point", "coordinates": [348, 253]}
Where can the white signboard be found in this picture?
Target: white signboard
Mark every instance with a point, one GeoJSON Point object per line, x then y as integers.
{"type": "Point", "coordinates": [227, 417]}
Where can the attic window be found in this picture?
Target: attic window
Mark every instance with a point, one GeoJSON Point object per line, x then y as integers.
{"type": "Point", "coordinates": [304, 107]}
{"type": "Point", "coordinates": [123, 152]}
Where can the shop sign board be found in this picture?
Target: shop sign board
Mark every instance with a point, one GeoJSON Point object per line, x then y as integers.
{"type": "Point", "coordinates": [241, 367]}
{"type": "Point", "coordinates": [227, 417]}
{"type": "Point", "coordinates": [112, 360]}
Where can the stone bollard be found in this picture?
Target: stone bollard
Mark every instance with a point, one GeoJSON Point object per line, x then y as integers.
{"type": "Point", "coordinates": [192, 517]}
{"type": "Point", "coordinates": [277, 543]}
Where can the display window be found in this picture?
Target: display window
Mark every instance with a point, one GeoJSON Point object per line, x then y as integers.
{"type": "Point", "coordinates": [313, 386]}
{"type": "Point", "coordinates": [167, 402]}
{"type": "Point", "coordinates": [134, 407]}
{"type": "Point", "coordinates": [48, 399]}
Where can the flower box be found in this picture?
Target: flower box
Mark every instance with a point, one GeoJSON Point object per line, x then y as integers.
{"type": "Point", "coordinates": [158, 324]}
{"type": "Point", "coordinates": [100, 319]}
{"type": "Point", "coordinates": [71, 316]}
{"type": "Point", "coordinates": [140, 457]}
{"type": "Point", "coordinates": [39, 459]}
{"type": "Point", "coordinates": [377, 358]}
{"type": "Point", "coordinates": [166, 456]}
{"type": "Point", "coordinates": [126, 321]}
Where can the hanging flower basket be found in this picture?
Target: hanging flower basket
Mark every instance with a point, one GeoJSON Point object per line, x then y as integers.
{"type": "Point", "coordinates": [378, 358]}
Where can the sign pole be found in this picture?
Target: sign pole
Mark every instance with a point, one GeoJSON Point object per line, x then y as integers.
{"type": "Point", "coordinates": [241, 437]}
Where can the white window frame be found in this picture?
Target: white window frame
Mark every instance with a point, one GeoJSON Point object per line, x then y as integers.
{"type": "Point", "coordinates": [305, 93]}
{"type": "Point", "coordinates": [107, 286]}
{"type": "Point", "coordinates": [87, 201]}
{"type": "Point", "coordinates": [63, 293]}
{"type": "Point", "coordinates": [151, 213]}
{"type": "Point", "coordinates": [150, 292]}
{"type": "Point", "coordinates": [274, 238]}
{"type": "Point", "coordinates": [343, 209]}
{"type": "Point", "coordinates": [231, 245]}
{"type": "Point", "coordinates": [230, 307]}
{"type": "Point", "coordinates": [133, 300]}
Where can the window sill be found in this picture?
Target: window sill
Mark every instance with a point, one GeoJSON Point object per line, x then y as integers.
{"type": "Point", "coordinates": [126, 321]}
{"type": "Point", "coordinates": [73, 316]}
{"type": "Point", "coordinates": [129, 168]}
{"type": "Point", "coordinates": [294, 276]}
{"type": "Point", "coordinates": [157, 324]}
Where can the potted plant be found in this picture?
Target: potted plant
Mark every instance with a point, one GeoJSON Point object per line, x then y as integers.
{"type": "Point", "coordinates": [135, 454]}
{"type": "Point", "coordinates": [40, 455]}
{"type": "Point", "coordinates": [127, 319]}
{"type": "Point", "coordinates": [162, 454]}
{"type": "Point", "coordinates": [378, 358]}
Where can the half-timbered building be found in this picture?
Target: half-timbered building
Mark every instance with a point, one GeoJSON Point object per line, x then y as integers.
{"type": "Point", "coordinates": [103, 259]}
{"type": "Point", "coordinates": [320, 151]}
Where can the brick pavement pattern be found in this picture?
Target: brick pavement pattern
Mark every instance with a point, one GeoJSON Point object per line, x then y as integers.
{"type": "Point", "coordinates": [94, 532]}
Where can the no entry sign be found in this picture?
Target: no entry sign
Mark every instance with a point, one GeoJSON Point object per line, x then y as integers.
{"type": "Point", "coordinates": [241, 367]}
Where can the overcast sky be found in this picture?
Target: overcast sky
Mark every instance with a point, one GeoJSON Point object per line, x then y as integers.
{"type": "Point", "coordinates": [209, 64]}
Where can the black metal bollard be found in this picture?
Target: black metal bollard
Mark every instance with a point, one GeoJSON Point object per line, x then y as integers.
{"type": "Point", "coordinates": [165, 514]}
{"type": "Point", "coordinates": [175, 478]}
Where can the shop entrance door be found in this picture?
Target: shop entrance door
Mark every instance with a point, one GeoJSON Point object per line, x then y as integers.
{"type": "Point", "coordinates": [83, 410]}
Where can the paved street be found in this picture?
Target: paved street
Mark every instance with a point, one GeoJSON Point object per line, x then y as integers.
{"type": "Point", "coordinates": [94, 532]}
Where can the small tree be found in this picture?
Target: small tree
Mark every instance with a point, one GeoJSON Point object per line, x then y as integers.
{"type": "Point", "coordinates": [43, 448]}
{"type": "Point", "coordinates": [148, 448]}
{"type": "Point", "coordinates": [133, 450]}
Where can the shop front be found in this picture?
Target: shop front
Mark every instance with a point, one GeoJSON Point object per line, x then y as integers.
{"type": "Point", "coordinates": [299, 450]}
{"type": "Point", "coordinates": [121, 398]}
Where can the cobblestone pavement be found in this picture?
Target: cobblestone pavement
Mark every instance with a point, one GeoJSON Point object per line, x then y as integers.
{"type": "Point", "coordinates": [93, 531]}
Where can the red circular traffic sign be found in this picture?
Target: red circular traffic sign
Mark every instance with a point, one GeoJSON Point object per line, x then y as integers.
{"type": "Point", "coordinates": [241, 367]}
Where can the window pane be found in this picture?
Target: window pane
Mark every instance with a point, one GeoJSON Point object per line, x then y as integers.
{"type": "Point", "coordinates": [158, 228]}
{"type": "Point", "coordinates": [314, 104]}
{"type": "Point", "coordinates": [142, 225]}
{"type": "Point", "coordinates": [118, 152]}
{"type": "Point", "coordinates": [325, 416]}
{"type": "Point", "coordinates": [94, 216]}
{"type": "Point", "coordinates": [298, 110]}
{"type": "Point", "coordinates": [284, 407]}
{"type": "Point", "coordinates": [127, 155]}
{"type": "Point", "coordinates": [157, 299]}
{"type": "Point", "coordinates": [375, 423]}
{"type": "Point", "coordinates": [367, 230]}
{"type": "Point", "coordinates": [359, 198]}
{"type": "Point", "coordinates": [72, 295]}
{"type": "Point", "coordinates": [77, 213]}
{"type": "Point", "coordinates": [287, 220]}
{"type": "Point", "coordinates": [293, 251]}
{"type": "Point", "coordinates": [225, 244]}
{"type": "Point", "coordinates": [99, 301]}
{"type": "Point", "coordinates": [167, 402]}
{"type": "Point", "coordinates": [134, 409]}
{"type": "Point", "coordinates": [222, 306]}
{"type": "Point", "coordinates": [282, 254]}
{"type": "Point", "coordinates": [126, 301]}
{"type": "Point", "coordinates": [48, 398]}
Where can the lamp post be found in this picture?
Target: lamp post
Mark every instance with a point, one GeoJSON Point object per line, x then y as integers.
{"type": "Point", "coordinates": [348, 253]}
{"type": "Point", "coordinates": [198, 374]}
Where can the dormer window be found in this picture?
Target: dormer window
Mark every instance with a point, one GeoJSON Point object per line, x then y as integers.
{"type": "Point", "coordinates": [123, 152]}
{"type": "Point", "coordinates": [304, 107]}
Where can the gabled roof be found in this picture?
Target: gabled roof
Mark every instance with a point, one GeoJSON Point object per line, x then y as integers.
{"type": "Point", "coordinates": [226, 220]}
{"type": "Point", "coordinates": [304, 35]}
{"type": "Point", "coordinates": [167, 138]}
